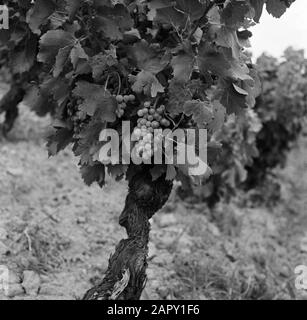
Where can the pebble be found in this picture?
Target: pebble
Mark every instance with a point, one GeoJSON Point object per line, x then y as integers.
{"type": "Point", "coordinates": [14, 278]}
{"type": "Point", "coordinates": [185, 245]}
{"type": "Point", "coordinates": [163, 259]}
{"type": "Point", "coordinates": [166, 220]}
{"type": "Point", "coordinates": [3, 233]}
{"type": "Point", "coordinates": [283, 271]}
{"type": "Point", "coordinates": [163, 292]}
{"type": "Point", "coordinates": [31, 282]}
{"type": "Point", "coordinates": [50, 290]}
{"type": "Point", "coordinates": [14, 290]}
{"type": "Point", "coordinates": [16, 172]}
{"type": "Point", "coordinates": [152, 250]}
{"type": "Point", "coordinates": [3, 249]}
{"type": "Point", "coordinates": [213, 229]}
{"type": "Point", "coordinates": [151, 274]}
{"type": "Point", "coordinates": [166, 240]}
{"type": "Point", "coordinates": [81, 220]}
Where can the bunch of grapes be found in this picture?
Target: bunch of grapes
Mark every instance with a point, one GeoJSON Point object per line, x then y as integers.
{"type": "Point", "coordinates": [77, 116]}
{"type": "Point", "coordinates": [150, 118]}
{"type": "Point", "coordinates": [122, 103]}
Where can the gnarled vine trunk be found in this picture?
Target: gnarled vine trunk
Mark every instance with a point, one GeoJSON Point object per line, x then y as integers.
{"type": "Point", "coordinates": [126, 274]}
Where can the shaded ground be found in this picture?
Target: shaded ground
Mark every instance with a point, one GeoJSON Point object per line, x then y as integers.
{"type": "Point", "coordinates": [63, 231]}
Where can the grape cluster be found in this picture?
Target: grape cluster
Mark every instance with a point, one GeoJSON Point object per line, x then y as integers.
{"type": "Point", "coordinates": [150, 118]}
{"type": "Point", "coordinates": [122, 103]}
{"type": "Point", "coordinates": [77, 116]}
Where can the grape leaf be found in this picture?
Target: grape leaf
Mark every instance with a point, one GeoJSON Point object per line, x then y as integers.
{"type": "Point", "coordinates": [38, 101]}
{"type": "Point", "coordinates": [219, 114]}
{"type": "Point", "coordinates": [72, 6]}
{"type": "Point", "coordinates": [117, 171]}
{"type": "Point", "coordinates": [240, 90]}
{"type": "Point", "coordinates": [193, 8]}
{"type": "Point", "coordinates": [59, 141]}
{"type": "Point", "coordinates": [154, 5]}
{"type": "Point", "coordinates": [171, 172]}
{"type": "Point", "coordinates": [157, 171]}
{"type": "Point", "coordinates": [200, 111]}
{"type": "Point", "coordinates": [23, 60]}
{"type": "Point", "coordinates": [178, 95]}
{"type": "Point", "coordinates": [200, 170]}
{"type": "Point", "coordinates": [276, 8]}
{"type": "Point", "coordinates": [93, 173]}
{"type": "Point", "coordinates": [60, 60]}
{"type": "Point", "coordinates": [227, 37]}
{"type": "Point", "coordinates": [4, 36]}
{"type": "Point", "coordinates": [252, 87]}
{"type": "Point", "coordinates": [183, 66]}
{"type": "Point", "coordinates": [235, 12]}
{"type": "Point", "coordinates": [57, 19]}
{"type": "Point", "coordinates": [145, 58]}
{"type": "Point", "coordinates": [24, 3]}
{"type": "Point", "coordinates": [210, 59]}
{"type": "Point", "coordinates": [119, 14]}
{"type": "Point", "coordinates": [88, 144]}
{"type": "Point", "coordinates": [171, 16]}
{"type": "Point", "coordinates": [77, 53]}
{"type": "Point", "coordinates": [96, 98]}
{"type": "Point", "coordinates": [100, 63]}
{"type": "Point", "coordinates": [148, 83]}
{"type": "Point", "coordinates": [38, 15]}
{"type": "Point", "coordinates": [51, 42]}
{"type": "Point", "coordinates": [232, 100]}
{"type": "Point", "coordinates": [258, 7]}
{"type": "Point", "coordinates": [109, 28]}
{"type": "Point", "coordinates": [113, 21]}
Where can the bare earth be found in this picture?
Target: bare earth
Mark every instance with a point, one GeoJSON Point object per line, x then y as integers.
{"type": "Point", "coordinates": [64, 232]}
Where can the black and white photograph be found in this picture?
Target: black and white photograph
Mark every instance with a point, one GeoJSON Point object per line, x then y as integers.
{"type": "Point", "coordinates": [153, 151]}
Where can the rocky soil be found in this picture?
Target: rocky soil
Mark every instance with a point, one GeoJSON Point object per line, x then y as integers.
{"type": "Point", "coordinates": [56, 234]}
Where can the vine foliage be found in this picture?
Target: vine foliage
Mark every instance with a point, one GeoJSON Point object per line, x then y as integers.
{"type": "Point", "coordinates": [76, 57]}
{"type": "Point", "coordinates": [257, 144]}
{"type": "Point", "coordinates": [282, 109]}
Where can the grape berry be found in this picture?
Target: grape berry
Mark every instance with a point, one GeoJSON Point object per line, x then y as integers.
{"type": "Point", "coordinates": [150, 118]}
{"type": "Point", "coordinates": [122, 103]}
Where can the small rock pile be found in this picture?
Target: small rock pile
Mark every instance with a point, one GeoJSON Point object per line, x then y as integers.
{"type": "Point", "coordinates": [26, 283]}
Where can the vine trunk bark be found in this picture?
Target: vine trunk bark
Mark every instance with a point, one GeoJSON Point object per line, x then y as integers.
{"type": "Point", "coordinates": [126, 274]}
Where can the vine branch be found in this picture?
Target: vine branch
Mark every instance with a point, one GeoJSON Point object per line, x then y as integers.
{"type": "Point", "coordinates": [126, 274]}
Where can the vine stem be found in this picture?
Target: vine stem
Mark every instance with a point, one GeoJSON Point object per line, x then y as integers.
{"type": "Point", "coordinates": [126, 277]}
{"type": "Point", "coordinates": [156, 102]}
{"type": "Point", "coordinates": [106, 84]}
{"type": "Point", "coordinates": [119, 83]}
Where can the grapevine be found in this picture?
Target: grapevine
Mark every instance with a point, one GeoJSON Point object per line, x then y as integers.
{"type": "Point", "coordinates": [282, 110]}
{"type": "Point", "coordinates": [257, 144]}
{"type": "Point", "coordinates": [157, 64]}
